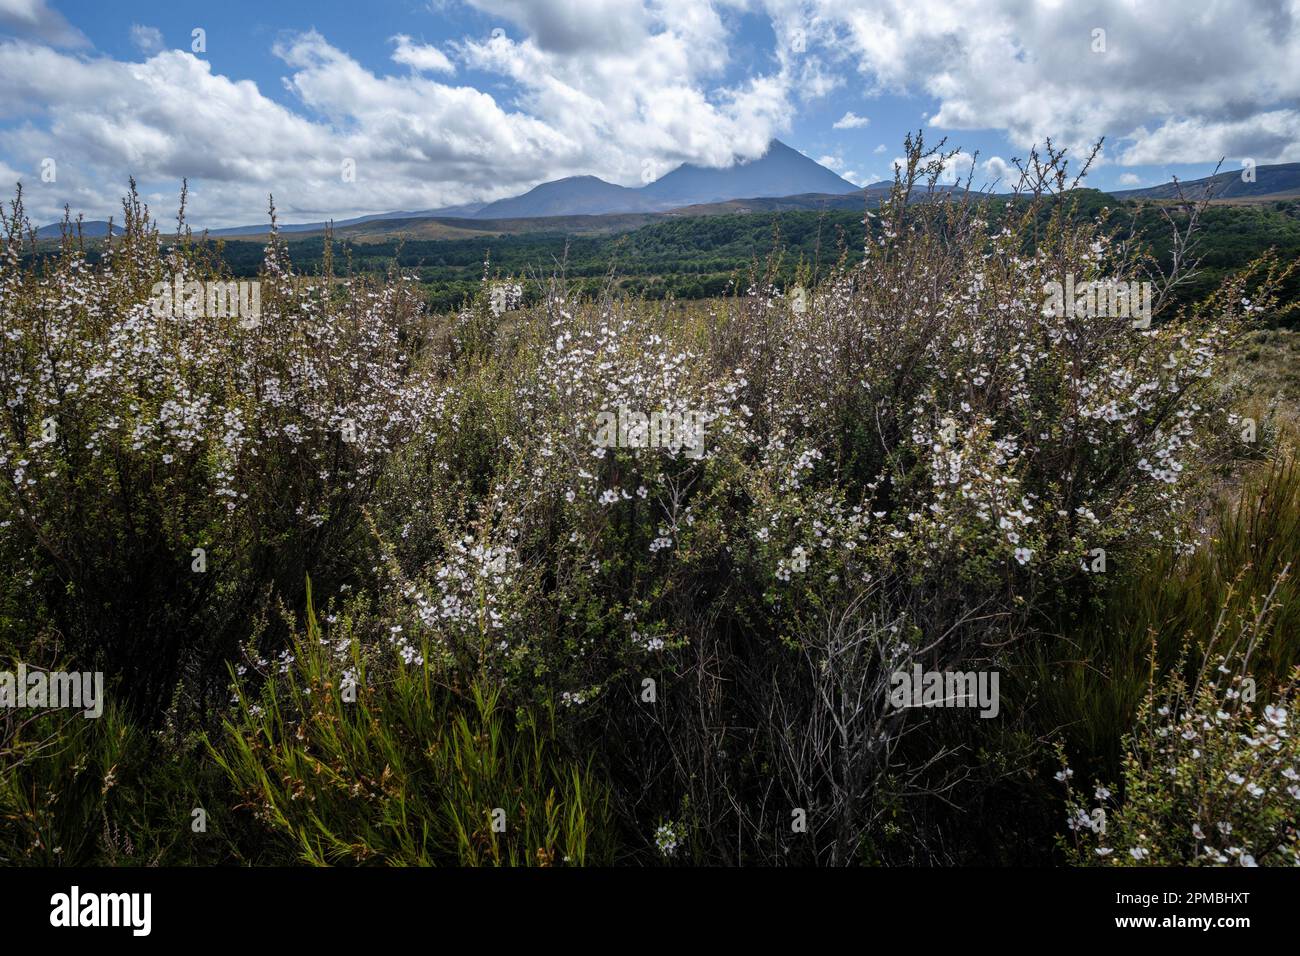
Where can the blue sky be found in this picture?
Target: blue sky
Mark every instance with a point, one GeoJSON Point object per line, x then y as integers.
{"type": "Point", "coordinates": [436, 103]}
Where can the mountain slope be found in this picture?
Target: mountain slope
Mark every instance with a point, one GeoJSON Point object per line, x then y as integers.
{"type": "Point", "coordinates": [781, 171]}
{"type": "Point", "coordinates": [1280, 178]}
{"type": "Point", "coordinates": [782, 180]}
{"type": "Point", "coordinates": [575, 196]}
{"type": "Point", "coordinates": [468, 209]}
{"type": "Point", "coordinates": [91, 229]}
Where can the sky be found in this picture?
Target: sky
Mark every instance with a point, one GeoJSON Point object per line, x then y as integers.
{"type": "Point", "coordinates": [349, 108]}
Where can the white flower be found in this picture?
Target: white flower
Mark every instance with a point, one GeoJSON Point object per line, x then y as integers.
{"type": "Point", "coordinates": [1023, 555]}
{"type": "Point", "coordinates": [666, 839]}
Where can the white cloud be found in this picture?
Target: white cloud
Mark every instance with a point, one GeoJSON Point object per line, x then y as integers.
{"type": "Point", "coordinates": [1172, 86]}
{"type": "Point", "coordinates": [1130, 179]}
{"type": "Point", "coordinates": [417, 141]}
{"type": "Point", "coordinates": [420, 56]}
{"type": "Point", "coordinates": [837, 163]}
{"type": "Point", "coordinates": [851, 120]}
{"type": "Point", "coordinates": [956, 168]}
{"type": "Point", "coordinates": [1267, 137]}
{"type": "Point", "coordinates": [146, 39]}
{"type": "Point", "coordinates": [630, 81]}
{"type": "Point", "coordinates": [601, 26]}
{"type": "Point", "coordinates": [34, 20]}
{"type": "Point", "coordinates": [1001, 175]}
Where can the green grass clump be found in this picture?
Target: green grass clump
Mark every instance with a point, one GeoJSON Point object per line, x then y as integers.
{"type": "Point", "coordinates": [1090, 684]}
{"type": "Point", "coordinates": [347, 763]}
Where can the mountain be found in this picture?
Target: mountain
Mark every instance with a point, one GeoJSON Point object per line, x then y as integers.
{"type": "Point", "coordinates": [91, 229]}
{"type": "Point", "coordinates": [781, 180]}
{"type": "Point", "coordinates": [466, 210]}
{"type": "Point", "coordinates": [781, 171]}
{"type": "Point", "coordinates": [1283, 178]}
{"type": "Point", "coordinates": [574, 196]}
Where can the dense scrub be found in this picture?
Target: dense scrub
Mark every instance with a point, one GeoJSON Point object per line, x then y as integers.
{"type": "Point", "coordinates": [529, 643]}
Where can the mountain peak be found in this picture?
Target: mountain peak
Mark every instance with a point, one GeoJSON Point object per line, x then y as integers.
{"type": "Point", "coordinates": [780, 171]}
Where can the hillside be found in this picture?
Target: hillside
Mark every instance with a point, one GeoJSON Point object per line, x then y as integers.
{"type": "Point", "coordinates": [1271, 182]}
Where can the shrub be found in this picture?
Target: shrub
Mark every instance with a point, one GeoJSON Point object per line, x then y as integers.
{"type": "Point", "coordinates": [1211, 775]}
{"type": "Point", "coordinates": [164, 472]}
{"type": "Point", "coordinates": [913, 462]}
{"type": "Point", "coordinates": [922, 459]}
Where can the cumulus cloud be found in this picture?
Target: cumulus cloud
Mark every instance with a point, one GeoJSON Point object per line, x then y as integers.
{"type": "Point", "coordinates": [35, 20]}
{"type": "Point", "coordinates": [851, 120]}
{"type": "Point", "coordinates": [837, 163]}
{"type": "Point", "coordinates": [1266, 137]}
{"type": "Point", "coordinates": [415, 141]}
{"type": "Point", "coordinates": [602, 26]}
{"type": "Point", "coordinates": [956, 168]}
{"type": "Point", "coordinates": [632, 81]}
{"type": "Point", "coordinates": [1001, 174]}
{"type": "Point", "coordinates": [609, 89]}
{"type": "Point", "coordinates": [421, 56]}
{"type": "Point", "coordinates": [1172, 87]}
{"type": "Point", "coordinates": [146, 39]}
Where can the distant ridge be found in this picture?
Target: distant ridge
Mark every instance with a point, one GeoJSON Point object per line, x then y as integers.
{"type": "Point", "coordinates": [92, 229]}
{"type": "Point", "coordinates": [587, 204]}
{"type": "Point", "coordinates": [781, 171]}
{"type": "Point", "coordinates": [468, 209]}
{"type": "Point", "coordinates": [574, 196]}
{"type": "Point", "coordinates": [1268, 180]}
